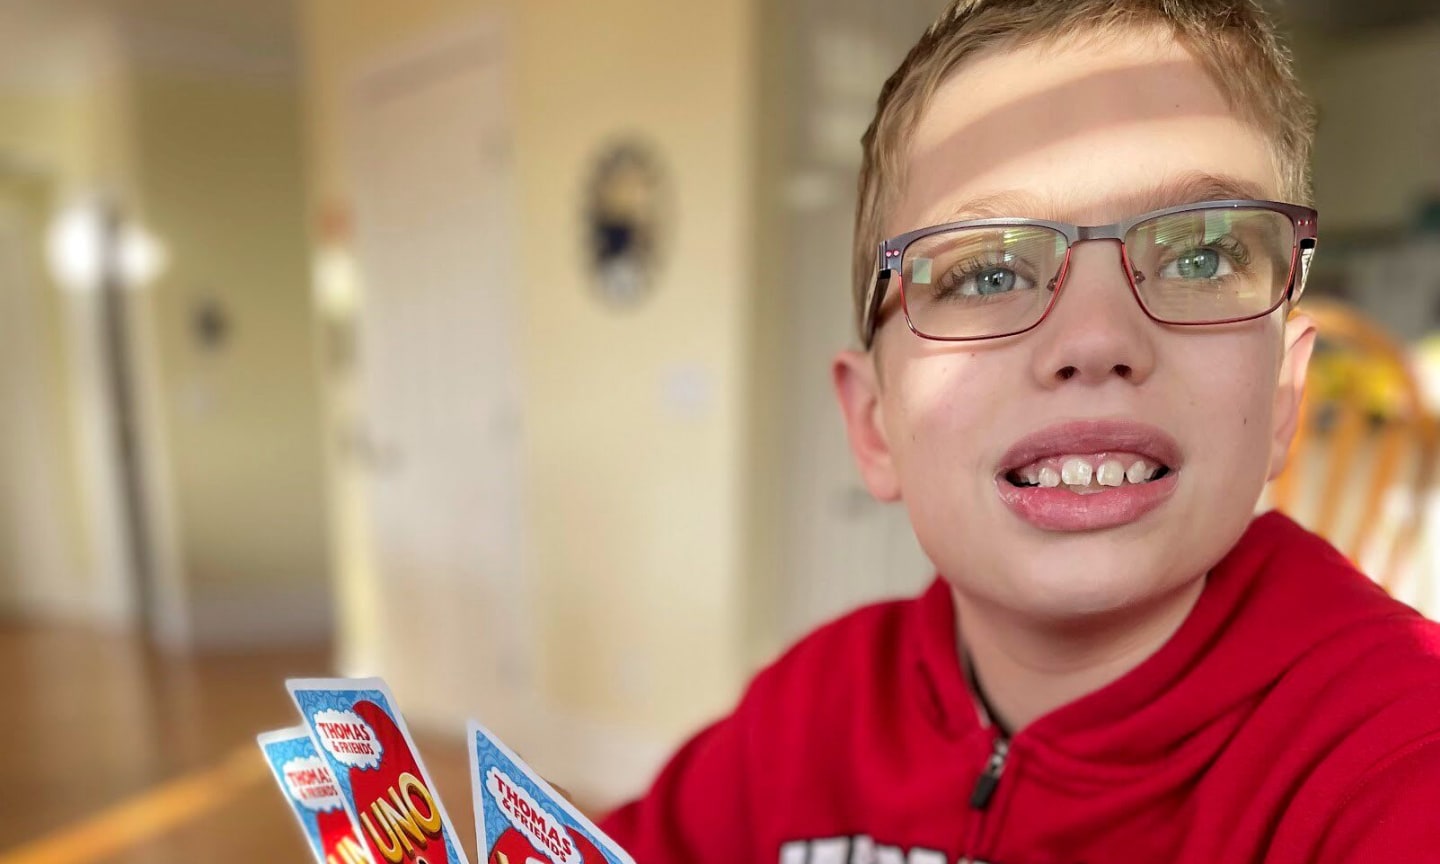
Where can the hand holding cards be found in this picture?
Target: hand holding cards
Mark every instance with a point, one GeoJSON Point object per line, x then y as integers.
{"type": "Point", "coordinates": [356, 781]}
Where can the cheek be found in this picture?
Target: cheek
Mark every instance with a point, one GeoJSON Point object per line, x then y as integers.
{"type": "Point", "coordinates": [1230, 405]}
{"type": "Point", "coordinates": [939, 415]}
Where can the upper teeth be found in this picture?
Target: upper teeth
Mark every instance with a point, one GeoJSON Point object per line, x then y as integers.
{"type": "Point", "coordinates": [1138, 472]}
{"type": "Point", "coordinates": [1076, 472]}
{"type": "Point", "coordinates": [1089, 474]}
{"type": "Point", "coordinates": [1111, 473]}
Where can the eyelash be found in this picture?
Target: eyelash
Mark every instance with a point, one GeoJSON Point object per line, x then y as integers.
{"type": "Point", "coordinates": [955, 276]}
{"type": "Point", "coordinates": [1238, 252]}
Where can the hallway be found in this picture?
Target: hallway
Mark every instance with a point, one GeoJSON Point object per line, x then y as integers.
{"type": "Point", "coordinates": [118, 753]}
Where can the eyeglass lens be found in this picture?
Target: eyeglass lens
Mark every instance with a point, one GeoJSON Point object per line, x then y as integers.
{"type": "Point", "coordinates": [1194, 267]}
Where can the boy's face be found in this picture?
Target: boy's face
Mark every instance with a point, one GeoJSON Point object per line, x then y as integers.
{"type": "Point", "coordinates": [1088, 133]}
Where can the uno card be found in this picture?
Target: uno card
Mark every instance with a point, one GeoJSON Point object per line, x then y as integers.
{"type": "Point", "coordinates": [520, 819]}
{"type": "Point", "coordinates": [310, 788]}
{"type": "Point", "coordinates": [357, 728]}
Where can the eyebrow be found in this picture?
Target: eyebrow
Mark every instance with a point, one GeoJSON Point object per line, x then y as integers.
{"type": "Point", "coordinates": [1184, 189]}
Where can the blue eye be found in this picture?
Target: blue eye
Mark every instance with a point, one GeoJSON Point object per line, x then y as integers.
{"type": "Point", "coordinates": [971, 281]}
{"type": "Point", "coordinates": [1202, 263]}
{"type": "Point", "coordinates": [994, 280]}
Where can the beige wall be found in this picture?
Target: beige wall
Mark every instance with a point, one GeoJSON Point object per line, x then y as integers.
{"type": "Point", "coordinates": [635, 511]}
{"type": "Point", "coordinates": [44, 130]}
{"type": "Point", "coordinates": [220, 181]}
{"type": "Point", "coordinates": [64, 90]}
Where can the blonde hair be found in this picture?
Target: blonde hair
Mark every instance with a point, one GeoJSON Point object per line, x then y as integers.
{"type": "Point", "coordinates": [1234, 40]}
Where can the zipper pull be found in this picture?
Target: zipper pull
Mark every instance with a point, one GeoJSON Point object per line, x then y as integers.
{"type": "Point", "coordinates": [990, 777]}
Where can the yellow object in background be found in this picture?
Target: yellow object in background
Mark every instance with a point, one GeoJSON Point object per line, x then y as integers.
{"type": "Point", "coordinates": [1368, 381]}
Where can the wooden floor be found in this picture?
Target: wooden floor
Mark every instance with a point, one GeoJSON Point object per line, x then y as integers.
{"type": "Point", "coordinates": [112, 752]}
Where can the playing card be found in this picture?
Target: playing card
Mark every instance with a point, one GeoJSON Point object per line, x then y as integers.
{"type": "Point", "coordinates": [520, 819]}
{"type": "Point", "coordinates": [357, 728]}
{"type": "Point", "coordinates": [310, 788]}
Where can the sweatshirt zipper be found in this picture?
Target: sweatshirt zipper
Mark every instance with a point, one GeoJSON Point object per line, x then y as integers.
{"type": "Point", "coordinates": [990, 777]}
{"type": "Point", "coordinates": [984, 792]}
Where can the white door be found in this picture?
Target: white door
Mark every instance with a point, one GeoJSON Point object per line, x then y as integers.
{"type": "Point", "coordinates": [430, 157]}
{"type": "Point", "coordinates": [841, 548]}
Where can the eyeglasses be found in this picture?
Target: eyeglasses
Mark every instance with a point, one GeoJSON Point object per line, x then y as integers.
{"type": "Point", "coordinates": [1214, 262]}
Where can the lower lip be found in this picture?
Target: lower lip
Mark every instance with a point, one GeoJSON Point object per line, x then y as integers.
{"type": "Point", "coordinates": [1058, 509]}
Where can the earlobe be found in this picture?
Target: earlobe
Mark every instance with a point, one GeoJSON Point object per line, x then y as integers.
{"type": "Point", "coordinates": [857, 387]}
{"type": "Point", "coordinates": [1299, 343]}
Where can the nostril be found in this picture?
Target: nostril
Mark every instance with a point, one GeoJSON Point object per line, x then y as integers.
{"type": "Point", "coordinates": [1123, 371]}
{"type": "Point", "coordinates": [1067, 373]}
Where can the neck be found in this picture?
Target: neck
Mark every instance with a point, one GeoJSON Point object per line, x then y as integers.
{"type": "Point", "coordinates": [1027, 670]}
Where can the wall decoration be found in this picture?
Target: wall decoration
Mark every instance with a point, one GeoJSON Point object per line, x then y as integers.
{"type": "Point", "coordinates": [625, 209]}
{"type": "Point", "coordinates": [209, 323]}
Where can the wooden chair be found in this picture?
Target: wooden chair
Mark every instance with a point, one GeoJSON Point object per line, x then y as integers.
{"type": "Point", "coordinates": [1366, 439]}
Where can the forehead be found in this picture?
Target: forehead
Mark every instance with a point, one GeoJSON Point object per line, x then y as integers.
{"type": "Point", "coordinates": [1088, 131]}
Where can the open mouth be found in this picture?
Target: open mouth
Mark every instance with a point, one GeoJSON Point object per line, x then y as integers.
{"type": "Point", "coordinates": [1087, 474]}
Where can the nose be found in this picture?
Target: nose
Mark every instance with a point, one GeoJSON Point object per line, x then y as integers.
{"type": "Point", "coordinates": [1096, 332]}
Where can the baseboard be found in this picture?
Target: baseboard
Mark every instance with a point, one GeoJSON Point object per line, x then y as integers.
{"type": "Point", "coordinates": [238, 617]}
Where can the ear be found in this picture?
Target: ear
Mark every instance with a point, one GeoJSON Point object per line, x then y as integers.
{"type": "Point", "coordinates": [1299, 342]}
{"type": "Point", "coordinates": [857, 386]}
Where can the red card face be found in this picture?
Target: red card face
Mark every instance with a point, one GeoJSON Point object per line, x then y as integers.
{"type": "Point", "coordinates": [337, 833]}
{"type": "Point", "coordinates": [309, 786]}
{"type": "Point", "coordinates": [401, 820]}
{"type": "Point", "coordinates": [389, 795]}
{"type": "Point", "coordinates": [514, 848]}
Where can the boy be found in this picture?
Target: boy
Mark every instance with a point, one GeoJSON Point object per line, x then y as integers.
{"type": "Point", "coordinates": [1116, 664]}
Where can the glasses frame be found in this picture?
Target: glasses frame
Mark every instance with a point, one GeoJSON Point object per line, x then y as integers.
{"type": "Point", "coordinates": [891, 255]}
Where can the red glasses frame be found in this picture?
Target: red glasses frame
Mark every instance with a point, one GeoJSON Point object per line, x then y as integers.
{"type": "Point", "coordinates": [891, 253]}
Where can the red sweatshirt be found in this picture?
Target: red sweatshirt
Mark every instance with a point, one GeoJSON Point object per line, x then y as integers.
{"type": "Point", "coordinates": [1294, 717]}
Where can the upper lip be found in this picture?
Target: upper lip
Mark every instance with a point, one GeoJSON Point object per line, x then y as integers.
{"type": "Point", "coordinates": [1093, 436]}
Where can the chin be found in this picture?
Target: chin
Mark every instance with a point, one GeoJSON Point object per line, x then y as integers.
{"type": "Point", "coordinates": [1096, 589]}
{"type": "Point", "coordinates": [1084, 580]}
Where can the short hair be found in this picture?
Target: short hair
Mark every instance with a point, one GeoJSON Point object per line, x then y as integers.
{"type": "Point", "coordinates": [1235, 41]}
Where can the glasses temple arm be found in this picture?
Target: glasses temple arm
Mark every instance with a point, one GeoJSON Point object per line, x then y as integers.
{"type": "Point", "coordinates": [879, 288]}
{"type": "Point", "coordinates": [1302, 272]}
